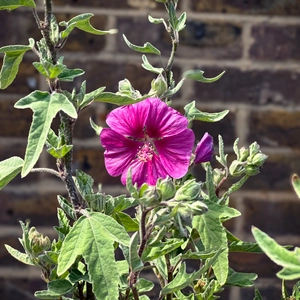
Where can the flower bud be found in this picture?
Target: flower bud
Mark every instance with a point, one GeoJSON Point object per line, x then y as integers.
{"type": "Point", "coordinates": [237, 168]}
{"type": "Point", "coordinates": [252, 170]}
{"type": "Point", "coordinates": [198, 208]}
{"type": "Point", "coordinates": [186, 215]}
{"type": "Point", "coordinates": [167, 188]}
{"type": "Point", "coordinates": [189, 191]}
{"type": "Point", "coordinates": [259, 159]}
{"type": "Point", "coordinates": [151, 196]}
{"type": "Point", "coordinates": [253, 149]}
{"type": "Point", "coordinates": [205, 149]}
{"type": "Point", "coordinates": [244, 153]}
{"type": "Point", "coordinates": [159, 85]}
{"type": "Point", "coordinates": [38, 242]}
{"type": "Point", "coordinates": [218, 175]}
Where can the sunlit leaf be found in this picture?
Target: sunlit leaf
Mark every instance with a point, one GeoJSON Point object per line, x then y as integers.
{"type": "Point", "coordinates": [13, 4]}
{"type": "Point", "coordinates": [22, 257]}
{"type": "Point", "coordinates": [146, 48]}
{"type": "Point", "coordinates": [9, 169]}
{"type": "Point", "coordinates": [198, 76]}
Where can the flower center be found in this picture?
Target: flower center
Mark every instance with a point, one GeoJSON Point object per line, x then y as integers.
{"type": "Point", "coordinates": [146, 152]}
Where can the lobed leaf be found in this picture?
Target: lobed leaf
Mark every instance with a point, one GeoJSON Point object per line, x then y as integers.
{"type": "Point", "coordinates": [45, 106]}
{"type": "Point", "coordinates": [92, 237]}
{"type": "Point", "coordinates": [147, 48]}
{"type": "Point", "coordinates": [9, 169]}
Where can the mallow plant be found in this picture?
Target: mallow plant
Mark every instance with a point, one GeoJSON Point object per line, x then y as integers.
{"type": "Point", "coordinates": [168, 223]}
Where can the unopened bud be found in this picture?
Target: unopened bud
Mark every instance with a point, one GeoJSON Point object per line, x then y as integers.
{"type": "Point", "coordinates": [252, 170]}
{"type": "Point", "coordinates": [198, 208]}
{"type": "Point", "coordinates": [189, 191]}
{"type": "Point", "coordinates": [259, 159]}
{"type": "Point", "coordinates": [159, 85]}
{"type": "Point", "coordinates": [38, 242]}
{"type": "Point", "coordinates": [186, 215]}
{"type": "Point", "coordinates": [218, 175]}
{"type": "Point", "coordinates": [151, 196]}
{"type": "Point", "coordinates": [237, 168]}
{"type": "Point", "coordinates": [244, 153]}
{"type": "Point", "coordinates": [167, 188]}
{"type": "Point", "coordinates": [253, 149]}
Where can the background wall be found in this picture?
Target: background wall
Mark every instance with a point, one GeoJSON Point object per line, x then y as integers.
{"type": "Point", "coordinates": [256, 42]}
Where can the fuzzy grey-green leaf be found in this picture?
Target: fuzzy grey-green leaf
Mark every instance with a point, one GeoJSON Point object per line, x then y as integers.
{"type": "Point", "coordinates": [9, 169]}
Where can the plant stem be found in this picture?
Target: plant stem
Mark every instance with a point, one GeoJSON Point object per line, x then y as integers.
{"type": "Point", "coordinates": [89, 292]}
{"type": "Point", "coordinates": [46, 170]}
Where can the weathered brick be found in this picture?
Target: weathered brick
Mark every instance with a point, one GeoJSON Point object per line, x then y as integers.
{"type": "Point", "coordinates": [213, 40]}
{"type": "Point", "coordinates": [275, 128]}
{"type": "Point", "coordinates": [40, 209]}
{"type": "Point", "coordinates": [14, 122]}
{"type": "Point", "coordinates": [273, 217]}
{"type": "Point", "coordinates": [127, 4]}
{"type": "Point", "coordinates": [91, 161]}
{"type": "Point", "coordinates": [257, 263]}
{"type": "Point", "coordinates": [275, 42]}
{"type": "Point", "coordinates": [250, 87]}
{"type": "Point", "coordinates": [108, 74]}
{"type": "Point", "coordinates": [12, 289]}
{"type": "Point", "coordinates": [276, 7]}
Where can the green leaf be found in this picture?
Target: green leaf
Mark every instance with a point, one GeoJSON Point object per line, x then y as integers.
{"type": "Point", "coordinates": [89, 97]}
{"type": "Point", "coordinates": [117, 99]}
{"type": "Point", "coordinates": [69, 74]}
{"type": "Point", "coordinates": [82, 22]}
{"type": "Point", "coordinates": [134, 261]}
{"type": "Point", "coordinates": [240, 279]}
{"type": "Point", "coordinates": [144, 285]}
{"type": "Point", "coordinates": [61, 151]}
{"type": "Point", "coordinates": [147, 48]}
{"type": "Point", "coordinates": [289, 260]}
{"type": "Point", "coordinates": [48, 69]}
{"type": "Point", "coordinates": [181, 22]}
{"type": "Point", "coordinates": [147, 66]}
{"type": "Point", "coordinates": [257, 295]}
{"type": "Point", "coordinates": [67, 207]}
{"type": "Point", "coordinates": [45, 106]}
{"type": "Point", "coordinates": [222, 158]}
{"type": "Point", "coordinates": [97, 128]}
{"type": "Point", "coordinates": [213, 234]}
{"type": "Point", "coordinates": [192, 113]}
{"type": "Point", "coordinates": [22, 257]}
{"type": "Point", "coordinates": [128, 223]}
{"type": "Point", "coordinates": [47, 295]}
{"type": "Point", "coordinates": [93, 236]}
{"type": "Point", "coordinates": [9, 169]}
{"type": "Point", "coordinates": [155, 20]}
{"type": "Point", "coordinates": [60, 286]}
{"type": "Point", "coordinates": [13, 4]}
{"type": "Point", "coordinates": [198, 76]}
{"type": "Point", "coordinates": [296, 184]}
{"type": "Point", "coordinates": [13, 56]}
{"type": "Point", "coordinates": [245, 247]}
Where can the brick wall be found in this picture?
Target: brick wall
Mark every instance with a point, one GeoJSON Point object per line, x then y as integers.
{"type": "Point", "coordinates": [259, 47]}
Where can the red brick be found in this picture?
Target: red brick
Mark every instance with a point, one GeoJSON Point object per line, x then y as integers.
{"type": "Point", "coordinates": [275, 42]}
{"type": "Point", "coordinates": [250, 87]}
{"type": "Point", "coordinates": [14, 122]}
{"type": "Point", "coordinates": [40, 209]}
{"type": "Point", "coordinates": [212, 40]}
{"type": "Point", "coordinates": [276, 7]}
{"type": "Point", "coordinates": [275, 128]}
{"type": "Point", "coordinates": [273, 217]}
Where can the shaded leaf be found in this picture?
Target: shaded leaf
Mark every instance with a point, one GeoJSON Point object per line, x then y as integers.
{"type": "Point", "coordinates": [45, 106]}
{"type": "Point", "coordinates": [134, 261]}
{"type": "Point", "coordinates": [69, 74]}
{"type": "Point", "coordinates": [9, 169]}
{"type": "Point", "coordinates": [240, 279]}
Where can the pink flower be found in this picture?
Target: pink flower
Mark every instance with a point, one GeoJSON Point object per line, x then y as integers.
{"type": "Point", "coordinates": [205, 149]}
{"type": "Point", "coordinates": [149, 137]}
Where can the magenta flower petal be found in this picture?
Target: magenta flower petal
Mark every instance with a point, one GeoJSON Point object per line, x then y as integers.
{"type": "Point", "coordinates": [175, 152]}
{"type": "Point", "coordinates": [163, 120]}
{"type": "Point", "coordinates": [147, 172]}
{"type": "Point", "coordinates": [205, 149]}
{"type": "Point", "coordinates": [119, 151]}
{"type": "Point", "coordinates": [129, 120]}
{"type": "Point", "coordinates": [149, 137]}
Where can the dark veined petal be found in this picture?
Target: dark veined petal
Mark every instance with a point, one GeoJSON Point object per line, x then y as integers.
{"type": "Point", "coordinates": [175, 152]}
{"type": "Point", "coordinates": [129, 120]}
{"type": "Point", "coordinates": [163, 120]}
{"type": "Point", "coordinates": [205, 149]}
{"type": "Point", "coordinates": [119, 151]}
{"type": "Point", "coordinates": [145, 172]}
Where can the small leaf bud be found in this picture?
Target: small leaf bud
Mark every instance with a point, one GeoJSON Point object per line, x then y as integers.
{"type": "Point", "coordinates": [159, 85]}
{"type": "Point", "coordinates": [198, 208]}
{"type": "Point", "coordinates": [151, 196]}
{"type": "Point", "coordinates": [252, 170]}
{"type": "Point", "coordinates": [237, 168]}
{"type": "Point", "coordinates": [244, 153]}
